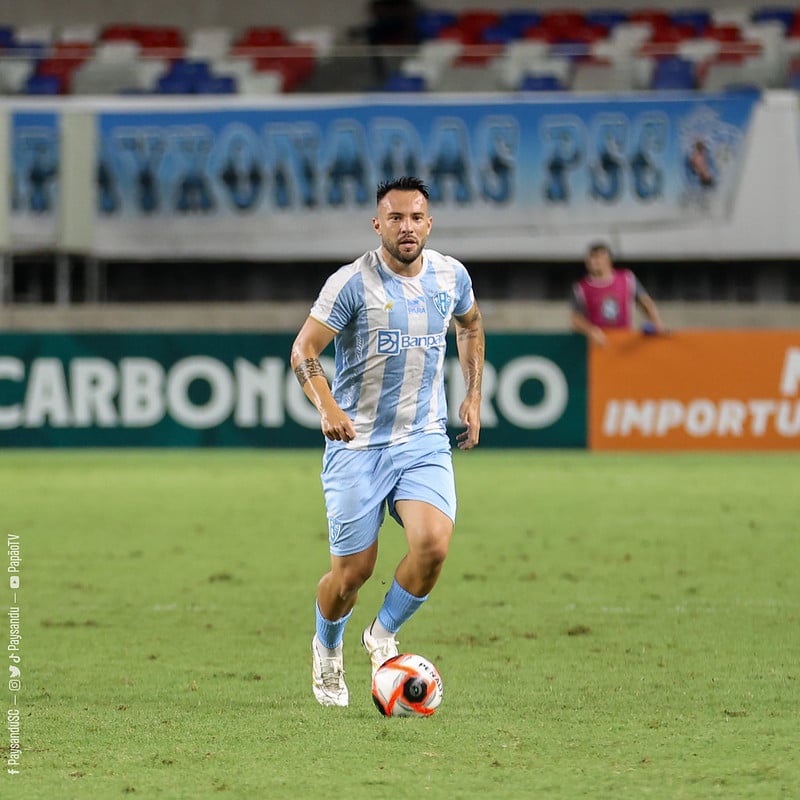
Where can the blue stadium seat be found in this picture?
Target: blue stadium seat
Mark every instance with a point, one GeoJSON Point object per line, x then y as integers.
{"type": "Point", "coordinates": [430, 23]}
{"type": "Point", "coordinates": [673, 73]}
{"type": "Point", "coordinates": [43, 85]}
{"type": "Point", "coordinates": [696, 19]}
{"type": "Point", "coordinates": [6, 36]}
{"type": "Point", "coordinates": [37, 50]}
{"type": "Point", "coordinates": [404, 83]}
{"type": "Point", "coordinates": [782, 14]}
{"type": "Point", "coordinates": [541, 83]}
{"type": "Point", "coordinates": [175, 84]}
{"type": "Point", "coordinates": [192, 71]}
{"type": "Point", "coordinates": [517, 22]}
{"type": "Point", "coordinates": [499, 35]}
{"type": "Point", "coordinates": [605, 18]}
{"type": "Point", "coordinates": [216, 84]}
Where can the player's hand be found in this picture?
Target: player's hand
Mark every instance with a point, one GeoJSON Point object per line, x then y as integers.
{"type": "Point", "coordinates": [337, 426]}
{"type": "Point", "coordinates": [471, 417]}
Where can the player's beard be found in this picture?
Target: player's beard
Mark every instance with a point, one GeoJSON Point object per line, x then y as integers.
{"type": "Point", "coordinates": [404, 257]}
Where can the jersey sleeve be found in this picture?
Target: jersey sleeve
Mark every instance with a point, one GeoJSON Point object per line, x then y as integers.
{"type": "Point", "coordinates": [337, 302]}
{"type": "Point", "coordinates": [465, 296]}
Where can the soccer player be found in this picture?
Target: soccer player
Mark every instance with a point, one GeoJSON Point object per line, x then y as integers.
{"type": "Point", "coordinates": [606, 297]}
{"type": "Point", "coordinates": [384, 420]}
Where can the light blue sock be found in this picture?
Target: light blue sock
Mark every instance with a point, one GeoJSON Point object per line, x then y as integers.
{"type": "Point", "coordinates": [398, 607]}
{"type": "Point", "coordinates": [330, 634]}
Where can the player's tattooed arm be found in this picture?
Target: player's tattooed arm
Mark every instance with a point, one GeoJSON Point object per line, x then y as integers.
{"type": "Point", "coordinates": [471, 341]}
{"type": "Point", "coordinates": [307, 369]}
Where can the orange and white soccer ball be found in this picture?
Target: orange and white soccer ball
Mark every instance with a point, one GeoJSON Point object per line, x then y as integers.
{"type": "Point", "coordinates": [407, 685]}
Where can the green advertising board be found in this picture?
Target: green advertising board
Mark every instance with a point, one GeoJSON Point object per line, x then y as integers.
{"type": "Point", "coordinates": [238, 390]}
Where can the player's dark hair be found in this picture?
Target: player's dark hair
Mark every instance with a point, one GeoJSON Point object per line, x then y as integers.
{"type": "Point", "coordinates": [407, 183]}
{"type": "Point", "coordinates": [598, 247]}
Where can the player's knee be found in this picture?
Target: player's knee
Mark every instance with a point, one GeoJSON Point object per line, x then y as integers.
{"type": "Point", "coordinates": [351, 579]}
{"type": "Point", "coordinates": [435, 545]}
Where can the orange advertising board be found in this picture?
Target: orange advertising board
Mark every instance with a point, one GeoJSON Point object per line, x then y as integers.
{"type": "Point", "coordinates": [695, 390]}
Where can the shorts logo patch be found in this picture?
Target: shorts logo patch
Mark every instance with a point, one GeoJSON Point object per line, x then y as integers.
{"type": "Point", "coordinates": [334, 529]}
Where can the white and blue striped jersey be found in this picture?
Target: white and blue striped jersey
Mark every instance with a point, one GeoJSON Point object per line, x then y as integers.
{"type": "Point", "coordinates": [390, 343]}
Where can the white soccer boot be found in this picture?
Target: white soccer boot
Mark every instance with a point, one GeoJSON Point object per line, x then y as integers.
{"type": "Point", "coordinates": [379, 650]}
{"type": "Point", "coordinates": [327, 677]}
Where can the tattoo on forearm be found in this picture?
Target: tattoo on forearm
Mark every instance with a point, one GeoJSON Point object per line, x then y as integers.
{"type": "Point", "coordinates": [307, 369]}
{"type": "Point", "coordinates": [472, 345]}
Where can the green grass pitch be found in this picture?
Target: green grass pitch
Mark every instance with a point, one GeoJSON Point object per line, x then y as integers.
{"type": "Point", "coordinates": [607, 626]}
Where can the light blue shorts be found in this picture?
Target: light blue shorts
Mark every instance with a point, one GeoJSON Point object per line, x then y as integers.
{"type": "Point", "coordinates": [359, 485]}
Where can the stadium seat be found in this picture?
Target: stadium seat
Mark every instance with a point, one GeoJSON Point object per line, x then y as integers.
{"type": "Point", "coordinates": [605, 18]}
{"type": "Point", "coordinates": [498, 35]}
{"type": "Point", "coordinates": [541, 83]}
{"type": "Point", "coordinates": [6, 36]}
{"type": "Point", "coordinates": [256, 42]}
{"type": "Point", "coordinates": [44, 85]}
{"type": "Point", "coordinates": [216, 84]}
{"type": "Point", "coordinates": [696, 20]}
{"type": "Point", "coordinates": [146, 75]}
{"type": "Point", "coordinates": [627, 37]}
{"type": "Point", "coordinates": [34, 35]}
{"type": "Point", "coordinates": [85, 32]}
{"type": "Point", "coordinates": [59, 68]}
{"type": "Point", "coordinates": [209, 44]}
{"type": "Point", "coordinates": [517, 22]}
{"type": "Point", "coordinates": [724, 33]}
{"type": "Point", "coordinates": [14, 74]}
{"type": "Point", "coordinates": [562, 23]}
{"type": "Point", "coordinates": [673, 73]}
{"type": "Point", "coordinates": [112, 69]}
{"type": "Point", "coordinates": [699, 50]}
{"type": "Point", "coordinates": [657, 18]}
{"type": "Point", "coordinates": [120, 32]}
{"type": "Point", "coordinates": [479, 54]}
{"type": "Point", "coordinates": [431, 23]}
{"type": "Point", "coordinates": [399, 82]}
{"type": "Point", "coordinates": [261, 83]}
{"type": "Point", "coordinates": [320, 38]}
{"type": "Point", "coordinates": [474, 23]}
{"type": "Point", "coordinates": [161, 42]}
{"type": "Point", "coordinates": [192, 71]}
{"type": "Point", "coordinates": [175, 84]}
{"type": "Point", "coordinates": [239, 68]}
{"type": "Point", "coordinates": [782, 14]}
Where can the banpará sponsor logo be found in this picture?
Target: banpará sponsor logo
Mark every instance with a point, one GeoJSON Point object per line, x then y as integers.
{"type": "Point", "coordinates": [392, 342]}
{"type": "Point", "coordinates": [140, 392]}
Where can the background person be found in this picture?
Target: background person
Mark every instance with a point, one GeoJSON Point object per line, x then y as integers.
{"type": "Point", "coordinates": [606, 297]}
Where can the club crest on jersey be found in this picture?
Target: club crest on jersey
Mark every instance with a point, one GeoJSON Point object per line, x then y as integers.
{"type": "Point", "coordinates": [610, 309]}
{"type": "Point", "coordinates": [442, 302]}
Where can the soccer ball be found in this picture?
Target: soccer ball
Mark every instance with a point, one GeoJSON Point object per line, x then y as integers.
{"type": "Point", "coordinates": [407, 685]}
